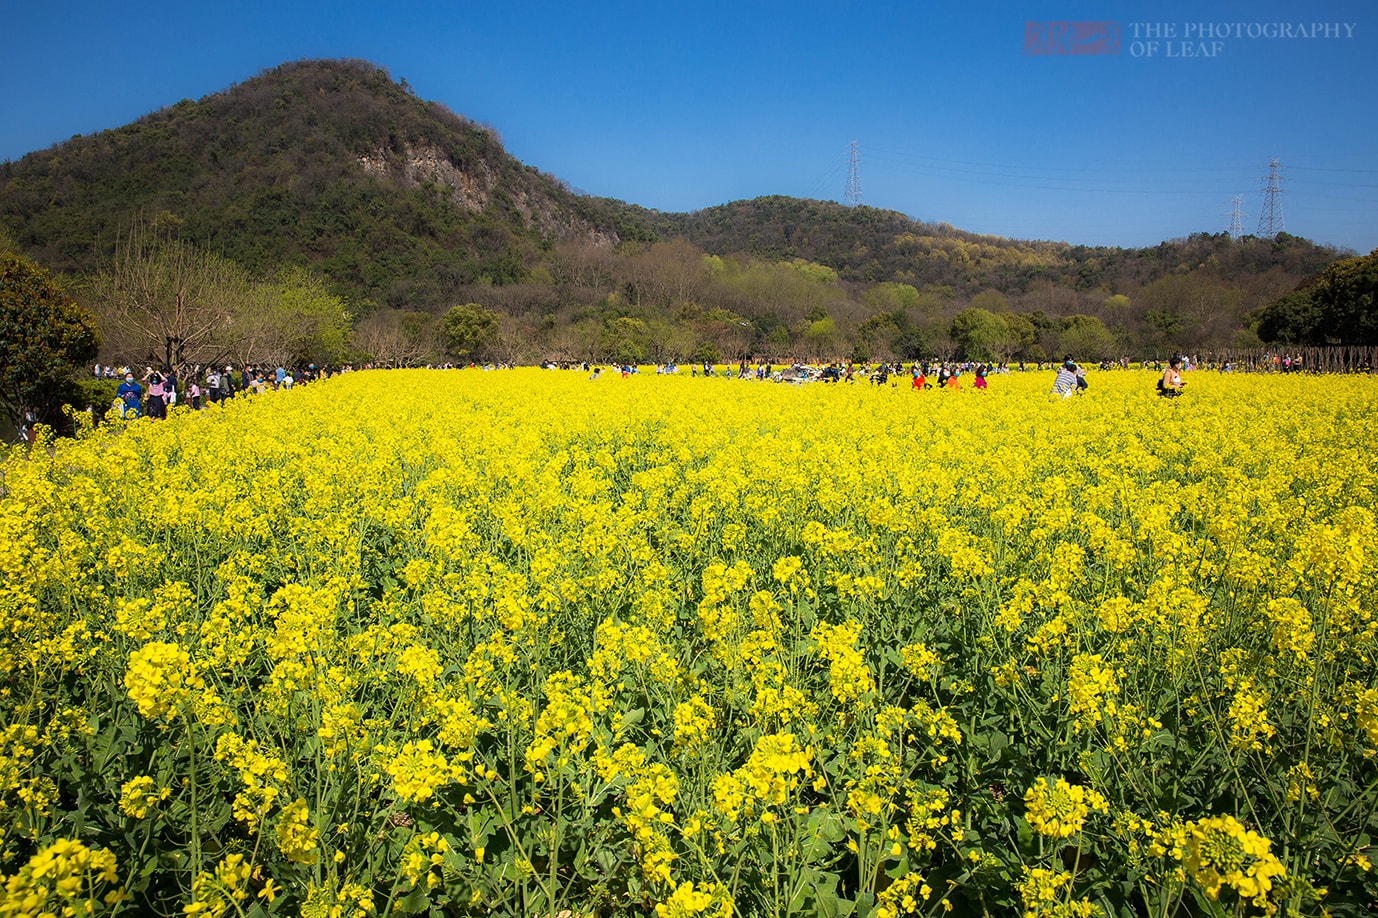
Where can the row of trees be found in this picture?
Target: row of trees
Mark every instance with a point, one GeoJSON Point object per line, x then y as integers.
{"type": "Point", "coordinates": [671, 301]}
{"type": "Point", "coordinates": [159, 302]}
{"type": "Point", "coordinates": [168, 303]}
{"type": "Point", "coordinates": [161, 299]}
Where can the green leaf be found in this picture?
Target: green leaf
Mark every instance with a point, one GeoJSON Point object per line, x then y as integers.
{"type": "Point", "coordinates": [414, 902]}
{"type": "Point", "coordinates": [816, 894]}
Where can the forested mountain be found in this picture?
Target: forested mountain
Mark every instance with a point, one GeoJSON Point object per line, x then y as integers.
{"type": "Point", "coordinates": [870, 245]}
{"type": "Point", "coordinates": [328, 163]}
{"type": "Point", "coordinates": [406, 209]}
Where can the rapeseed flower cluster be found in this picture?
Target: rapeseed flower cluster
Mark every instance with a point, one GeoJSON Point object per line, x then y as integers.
{"type": "Point", "coordinates": [905, 896]}
{"type": "Point", "coordinates": [776, 769]}
{"type": "Point", "coordinates": [1222, 853]}
{"type": "Point", "coordinates": [63, 878]}
{"type": "Point", "coordinates": [529, 643]}
{"type": "Point", "coordinates": [215, 892]}
{"type": "Point", "coordinates": [694, 722]}
{"type": "Point", "coordinates": [161, 679]}
{"type": "Point", "coordinates": [138, 794]}
{"type": "Point", "coordinates": [262, 774]}
{"type": "Point", "coordinates": [1059, 809]}
{"type": "Point", "coordinates": [691, 899]}
{"type": "Point", "coordinates": [1091, 690]}
{"type": "Point", "coordinates": [418, 770]}
{"type": "Point", "coordinates": [422, 859]}
{"type": "Point", "coordinates": [297, 839]}
{"type": "Point", "coordinates": [847, 671]}
{"type": "Point", "coordinates": [1044, 894]}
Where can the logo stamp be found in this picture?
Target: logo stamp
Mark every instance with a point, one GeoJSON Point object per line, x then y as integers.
{"type": "Point", "coordinates": [1071, 38]}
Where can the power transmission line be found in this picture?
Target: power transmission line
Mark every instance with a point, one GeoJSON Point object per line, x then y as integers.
{"type": "Point", "coordinates": [837, 166]}
{"type": "Point", "coordinates": [1270, 221]}
{"type": "Point", "coordinates": [853, 195]}
{"type": "Point", "coordinates": [1236, 227]}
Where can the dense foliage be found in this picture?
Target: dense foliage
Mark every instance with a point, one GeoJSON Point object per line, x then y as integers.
{"type": "Point", "coordinates": [519, 643]}
{"type": "Point", "coordinates": [44, 336]}
{"type": "Point", "coordinates": [1340, 307]}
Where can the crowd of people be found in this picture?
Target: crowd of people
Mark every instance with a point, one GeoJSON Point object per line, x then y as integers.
{"type": "Point", "coordinates": [1069, 376]}
{"type": "Point", "coordinates": [923, 374]}
{"type": "Point", "coordinates": [156, 390]}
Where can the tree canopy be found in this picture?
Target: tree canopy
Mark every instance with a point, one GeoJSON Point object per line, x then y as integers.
{"type": "Point", "coordinates": [467, 328]}
{"type": "Point", "coordinates": [1340, 307]}
{"type": "Point", "coordinates": [168, 303]}
{"type": "Point", "coordinates": [44, 336]}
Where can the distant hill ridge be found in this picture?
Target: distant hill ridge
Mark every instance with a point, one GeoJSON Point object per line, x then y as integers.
{"type": "Point", "coordinates": [402, 203]}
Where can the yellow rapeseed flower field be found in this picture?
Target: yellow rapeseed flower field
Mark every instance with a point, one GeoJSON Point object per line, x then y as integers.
{"type": "Point", "coordinates": [526, 643]}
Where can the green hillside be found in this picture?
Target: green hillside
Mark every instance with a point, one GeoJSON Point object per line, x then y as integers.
{"type": "Point", "coordinates": [870, 245]}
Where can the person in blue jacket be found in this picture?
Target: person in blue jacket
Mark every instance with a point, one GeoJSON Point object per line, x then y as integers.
{"type": "Point", "coordinates": [130, 393]}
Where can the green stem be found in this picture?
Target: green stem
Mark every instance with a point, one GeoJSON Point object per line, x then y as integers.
{"type": "Point", "coordinates": [195, 864]}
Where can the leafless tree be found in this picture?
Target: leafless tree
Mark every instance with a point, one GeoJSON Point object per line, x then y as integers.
{"type": "Point", "coordinates": [167, 302]}
{"type": "Point", "coordinates": [398, 338]}
{"type": "Point", "coordinates": [583, 263]}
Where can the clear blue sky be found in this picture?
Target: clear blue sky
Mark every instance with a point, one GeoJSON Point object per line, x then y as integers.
{"type": "Point", "coordinates": [685, 105]}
